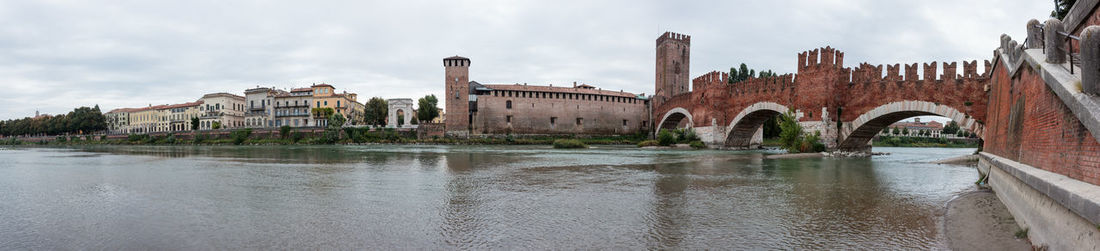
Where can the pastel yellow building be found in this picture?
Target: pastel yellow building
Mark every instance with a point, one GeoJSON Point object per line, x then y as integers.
{"type": "Point", "coordinates": [325, 96]}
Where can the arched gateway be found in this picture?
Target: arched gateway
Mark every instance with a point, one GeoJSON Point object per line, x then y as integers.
{"type": "Point", "coordinates": [674, 117]}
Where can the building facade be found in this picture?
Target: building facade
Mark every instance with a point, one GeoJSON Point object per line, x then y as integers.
{"type": "Point", "coordinates": [221, 110]}
{"type": "Point", "coordinates": [260, 110]}
{"type": "Point", "coordinates": [293, 108]}
{"type": "Point", "coordinates": [477, 109]}
{"type": "Point", "coordinates": [345, 104]}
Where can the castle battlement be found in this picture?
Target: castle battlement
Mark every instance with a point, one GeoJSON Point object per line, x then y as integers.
{"type": "Point", "coordinates": [710, 80]}
{"type": "Point", "coordinates": [774, 84]}
{"type": "Point", "coordinates": [829, 58]}
{"type": "Point", "coordinates": [867, 73]}
{"type": "Point", "coordinates": [685, 39]}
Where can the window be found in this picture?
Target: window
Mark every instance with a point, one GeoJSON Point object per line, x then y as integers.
{"type": "Point", "coordinates": [580, 121]}
{"type": "Point", "coordinates": [553, 120]}
{"type": "Point", "coordinates": [508, 104]}
{"type": "Point", "coordinates": [319, 103]}
{"type": "Point", "coordinates": [508, 119]}
{"type": "Point", "coordinates": [326, 102]}
{"type": "Point", "coordinates": [337, 103]}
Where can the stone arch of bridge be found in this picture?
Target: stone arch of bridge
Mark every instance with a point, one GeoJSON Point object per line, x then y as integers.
{"type": "Point", "coordinates": [856, 135]}
{"type": "Point", "coordinates": [742, 128]}
{"type": "Point", "coordinates": [674, 117]}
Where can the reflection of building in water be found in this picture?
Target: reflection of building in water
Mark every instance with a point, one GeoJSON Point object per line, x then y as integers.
{"type": "Point", "coordinates": [461, 226]}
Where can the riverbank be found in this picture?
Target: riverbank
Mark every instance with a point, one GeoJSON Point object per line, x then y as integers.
{"type": "Point", "coordinates": [979, 221]}
{"type": "Point", "coordinates": [328, 138]}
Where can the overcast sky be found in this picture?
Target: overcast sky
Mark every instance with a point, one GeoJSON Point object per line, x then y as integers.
{"type": "Point", "coordinates": [57, 55]}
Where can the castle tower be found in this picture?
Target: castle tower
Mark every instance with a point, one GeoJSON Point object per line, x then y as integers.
{"type": "Point", "coordinates": [673, 66]}
{"type": "Point", "coordinates": [457, 81]}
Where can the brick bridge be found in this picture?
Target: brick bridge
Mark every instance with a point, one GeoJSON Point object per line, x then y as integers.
{"type": "Point", "coordinates": [848, 106]}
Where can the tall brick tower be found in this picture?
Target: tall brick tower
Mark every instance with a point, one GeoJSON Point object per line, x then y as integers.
{"type": "Point", "coordinates": [457, 80]}
{"type": "Point", "coordinates": [673, 64]}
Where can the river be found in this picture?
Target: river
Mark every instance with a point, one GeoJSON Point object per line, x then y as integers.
{"type": "Point", "coordinates": [469, 197]}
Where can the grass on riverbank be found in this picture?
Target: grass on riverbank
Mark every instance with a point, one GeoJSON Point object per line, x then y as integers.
{"type": "Point", "coordinates": [569, 144]}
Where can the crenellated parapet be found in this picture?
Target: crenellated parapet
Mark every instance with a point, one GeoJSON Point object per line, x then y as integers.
{"type": "Point", "coordinates": [872, 74]}
{"type": "Point", "coordinates": [769, 85]}
{"type": "Point", "coordinates": [826, 57]}
{"type": "Point", "coordinates": [677, 37]}
{"type": "Point", "coordinates": [710, 80]}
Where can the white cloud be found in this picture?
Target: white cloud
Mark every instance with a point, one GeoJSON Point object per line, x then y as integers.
{"type": "Point", "coordinates": [57, 55]}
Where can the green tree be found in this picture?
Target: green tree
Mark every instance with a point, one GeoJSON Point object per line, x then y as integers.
{"type": "Point", "coordinates": [336, 120]}
{"type": "Point", "coordinates": [427, 108]}
{"type": "Point", "coordinates": [951, 127]}
{"type": "Point", "coordinates": [896, 131]}
{"type": "Point", "coordinates": [790, 135]}
{"type": "Point", "coordinates": [284, 131]}
{"type": "Point", "coordinates": [742, 73]}
{"type": "Point", "coordinates": [216, 125]}
{"type": "Point", "coordinates": [195, 123]}
{"type": "Point", "coordinates": [375, 112]}
{"type": "Point", "coordinates": [1061, 8]}
{"type": "Point", "coordinates": [771, 128]}
{"type": "Point", "coordinates": [905, 131]}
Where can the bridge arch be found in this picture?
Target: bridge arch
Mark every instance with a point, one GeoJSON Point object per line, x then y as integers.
{"type": "Point", "coordinates": [673, 117]}
{"type": "Point", "coordinates": [742, 128]}
{"type": "Point", "coordinates": [856, 135]}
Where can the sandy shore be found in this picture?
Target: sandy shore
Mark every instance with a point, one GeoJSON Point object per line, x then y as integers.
{"type": "Point", "coordinates": [979, 221]}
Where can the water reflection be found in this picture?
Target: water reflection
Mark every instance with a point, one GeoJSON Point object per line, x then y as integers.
{"type": "Point", "coordinates": [467, 197]}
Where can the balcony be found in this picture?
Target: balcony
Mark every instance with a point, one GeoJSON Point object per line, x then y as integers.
{"type": "Point", "coordinates": [291, 115]}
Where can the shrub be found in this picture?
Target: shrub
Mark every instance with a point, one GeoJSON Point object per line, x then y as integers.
{"type": "Point", "coordinates": [569, 144]}
{"type": "Point", "coordinates": [790, 135]}
{"type": "Point", "coordinates": [284, 131]}
{"type": "Point", "coordinates": [296, 136]}
{"type": "Point", "coordinates": [812, 143]}
{"type": "Point", "coordinates": [239, 136]}
{"type": "Point", "coordinates": [665, 138]}
{"type": "Point", "coordinates": [648, 143]}
{"type": "Point", "coordinates": [61, 139]}
{"type": "Point", "coordinates": [136, 137]}
{"type": "Point", "coordinates": [698, 144]}
{"type": "Point", "coordinates": [199, 138]}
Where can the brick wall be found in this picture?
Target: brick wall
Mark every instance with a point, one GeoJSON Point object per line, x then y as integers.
{"type": "Point", "coordinates": [1028, 123]}
{"type": "Point", "coordinates": [532, 115]}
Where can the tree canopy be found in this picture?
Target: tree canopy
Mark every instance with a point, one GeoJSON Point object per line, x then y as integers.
{"type": "Point", "coordinates": [80, 120]}
{"type": "Point", "coordinates": [1061, 8]}
{"type": "Point", "coordinates": [742, 73]}
{"type": "Point", "coordinates": [376, 111]}
{"type": "Point", "coordinates": [427, 108]}
{"type": "Point", "coordinates": [951, 128]}
{"type": "Point", "coordinates": [336, 120]}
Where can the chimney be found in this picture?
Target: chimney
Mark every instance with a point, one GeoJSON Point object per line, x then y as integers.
{"type": "Point", "coordinates": [917, 120]}
{"type": "Point", "coordinates": [574, 84]}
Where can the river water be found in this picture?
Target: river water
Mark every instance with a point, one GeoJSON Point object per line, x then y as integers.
{"type": "Point", "coordinates": [469, 197]}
